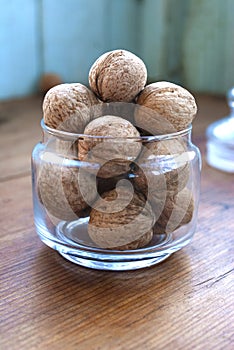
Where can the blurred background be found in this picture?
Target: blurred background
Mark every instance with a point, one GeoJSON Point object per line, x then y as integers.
{"type": "Point", "coordinates": [190, 42]}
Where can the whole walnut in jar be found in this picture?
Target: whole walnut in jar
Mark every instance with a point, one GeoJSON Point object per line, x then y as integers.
{"type": "Point", "coordinates": [121, 219]}
{"type": "Point", "coordinates": [110, 146]}
{"type": "Point", "coordinates": [177, 211]}
{"type": "Point", "coordinates": [63, 193]}
{"type": "Point", "coordinates": [163, 166]}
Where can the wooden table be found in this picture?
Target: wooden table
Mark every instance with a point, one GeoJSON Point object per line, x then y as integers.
{"type": "Point", "coordinates": [185, 302]}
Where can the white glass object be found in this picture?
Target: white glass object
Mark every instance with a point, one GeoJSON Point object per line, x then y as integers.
{"type": "Point", "coordinates": [220, 140]}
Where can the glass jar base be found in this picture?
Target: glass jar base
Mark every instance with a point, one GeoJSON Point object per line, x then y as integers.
{"type": "Point", "coordinates": [78, 250]}
{"type": "Point", "coordinates": [115, 265]}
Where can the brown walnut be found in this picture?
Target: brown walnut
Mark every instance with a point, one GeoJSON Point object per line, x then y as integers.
{"type": "Point", "coordinates": [167, 108]}
{"type": "Point", "coordinates": [59, 190]}
{"type": "Point", "coordinates": [163, 166]}
{"type": "Point", "coordinates": [121, 220]}
{"type": "Point", "coordinates": [117, 75]}
{"type": "Point", "coordinates": [178, 210]}
{"type": "Point", "coordinates": [70, 107]}
{"type": "Point", "coordinates": [112, 143]}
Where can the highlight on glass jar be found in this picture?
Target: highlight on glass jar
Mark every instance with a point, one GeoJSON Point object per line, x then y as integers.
{"type": "Point", "coordinates": [121, 195]}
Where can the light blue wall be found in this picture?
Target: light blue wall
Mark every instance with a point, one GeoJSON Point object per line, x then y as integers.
{"type": "Point", "coordinates": [19, 55]}
{"type": "Point", "coordinates": [208, 45]}
{"type": "Point", "coordinates": [153, 17]}
{"type": "Point", "coordinates": [76, 34]}
{"type": "Point", "coordinates": [187, 41]}
{"type": "Point", "coordinates": [60, 36]}
{"type": "Point", "coordinates": [73, 36]}
{"type": "Point", "coordinates": [124, 24]}
{"type": "Point", "coordinates": [190, 42]}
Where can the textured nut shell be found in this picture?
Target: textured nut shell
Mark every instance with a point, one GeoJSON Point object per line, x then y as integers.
{"type": "Point", "coordinates": [69, 107]}
{"type": "Point", "coordinates": [170, 101]}
{"type": "Point", "coordinates": [128, 228]}
{"type": "Point", "coordinates": [178, 211]}
{"type": "Point", "coordinates": [163, 167]}
{"type": "Point", "coordinates": [117, 75]}
{"type": "Point", "coordinates": [59, 191]}
{"type": "Point", "coordinates": [113, 155]}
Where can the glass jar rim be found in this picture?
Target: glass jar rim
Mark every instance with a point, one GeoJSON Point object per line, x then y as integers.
{"type": "Point", "coordinates": [74, 136]}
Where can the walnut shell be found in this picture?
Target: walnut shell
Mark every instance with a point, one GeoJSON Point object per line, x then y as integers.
{"type": "Point", "coordinates": [117, 75]}
{"type": "Point", "coordinates": [112, 153]}
{"type": "Point", "coordinates": [172, 108]}
{"type": "Point", "coordinates": [163, 166]}
{"type": "Point", "coordinates": [178, 211]}
{"type": "Point", "coordinates": [69, 107]}
{"type": "Point", "coordinates": [121, 220]}
{"type": "Point", "coordinates": [59, 191]}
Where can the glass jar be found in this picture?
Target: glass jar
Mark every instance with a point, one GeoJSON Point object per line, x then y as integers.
{"type": "Point", "coordinates": [128, 203]}
{"type": "Point", "coordinates": [220, 140]}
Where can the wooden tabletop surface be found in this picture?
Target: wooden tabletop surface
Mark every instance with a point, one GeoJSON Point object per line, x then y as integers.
{"type": "Point", "coordinates": [186, 302]}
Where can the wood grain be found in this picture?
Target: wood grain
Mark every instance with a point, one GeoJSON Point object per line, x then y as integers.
{"type": "Point", "coordinates": [46, 302]}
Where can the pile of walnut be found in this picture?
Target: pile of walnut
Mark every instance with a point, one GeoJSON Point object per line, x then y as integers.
{"type": "Point", "coordinates": [131, 195]}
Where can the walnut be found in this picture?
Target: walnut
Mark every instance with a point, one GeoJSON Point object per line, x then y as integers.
{"type": "Point", "coordinates": [121, 220]}
{"type": "Point", "coordinates": [163, 166]}
{"type": "Point", "coordinates": [168, 108]}
{"type": "Point", "coordinates": [112, 143]}
{"type": "Point", "coordinates": [59, 191]}
{"type": "Point", "coordinates": [178, 210]}
{"type": "Point", "coordinates": [69, 107]}
{"type": "Point", "coordinates": [117, 75]}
